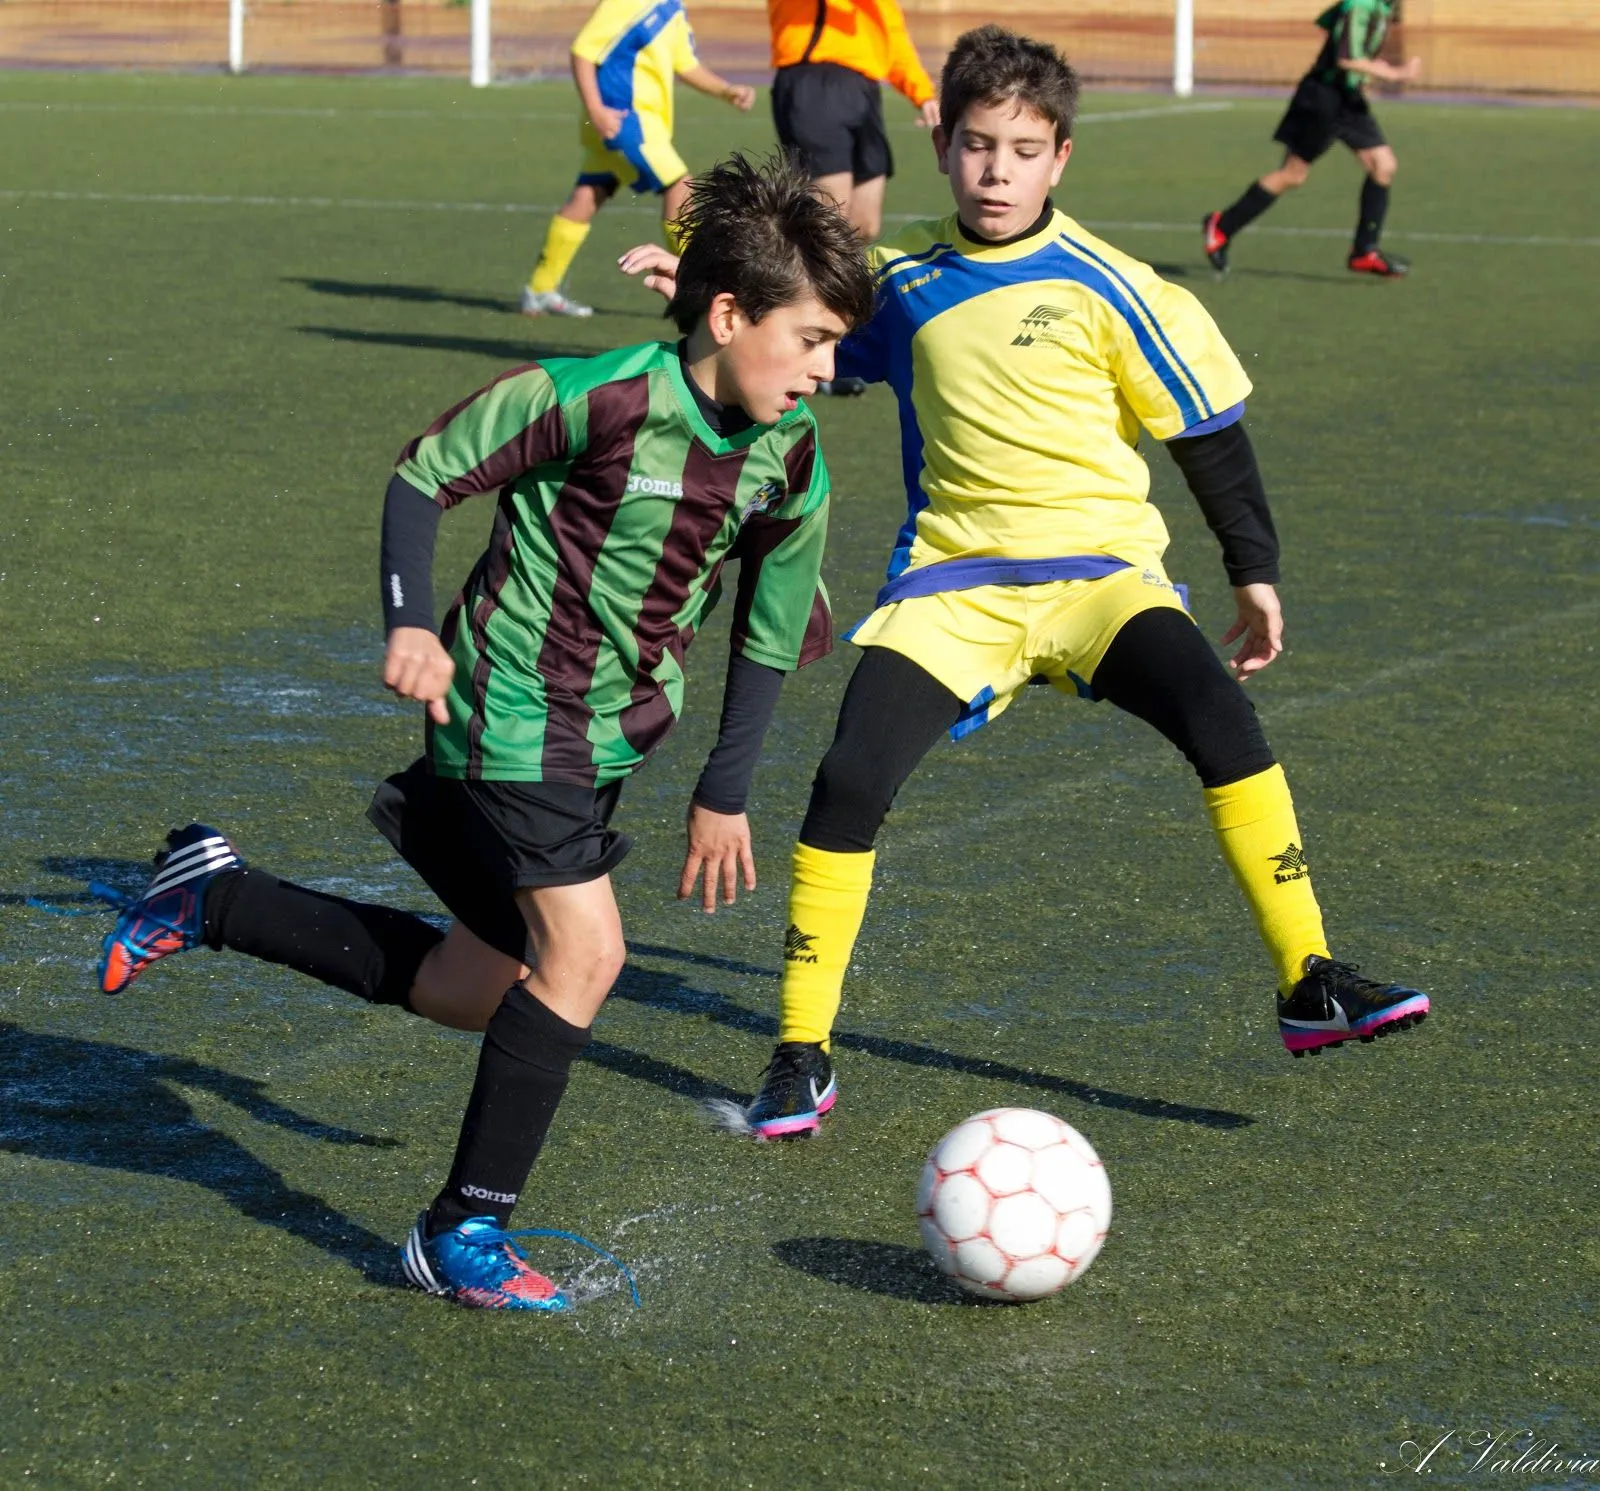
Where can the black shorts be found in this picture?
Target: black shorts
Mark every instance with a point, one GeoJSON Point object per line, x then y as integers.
{"type": "Point", "coordinates": [1320, 113]}
{"type": "Point", "coordinates": [833, 117]}
{"type": "Point", "coordinates": [476, 844]}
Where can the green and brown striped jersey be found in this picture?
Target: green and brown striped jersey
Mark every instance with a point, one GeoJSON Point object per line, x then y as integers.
{"type": "Point", "coordinates": [618, 506]}
{"type": "Point", "coordinates": [1356, 33]}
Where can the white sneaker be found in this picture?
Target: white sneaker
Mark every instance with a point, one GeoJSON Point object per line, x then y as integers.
{"type": "Point", "coordinates": [552, 303]}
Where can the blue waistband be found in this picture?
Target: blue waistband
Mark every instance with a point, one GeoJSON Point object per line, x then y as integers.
{"type": "Point", "coordinates": [968, 574]}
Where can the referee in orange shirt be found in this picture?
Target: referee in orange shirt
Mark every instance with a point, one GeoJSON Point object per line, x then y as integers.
{"type": "Point", "coordinates": [831, 56]}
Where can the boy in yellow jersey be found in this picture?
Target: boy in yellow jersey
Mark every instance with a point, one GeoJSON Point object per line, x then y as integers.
{"type": "Point", "coordinates": [1026, 355]}
{"type": "Point", "coordinates": [623, 62]}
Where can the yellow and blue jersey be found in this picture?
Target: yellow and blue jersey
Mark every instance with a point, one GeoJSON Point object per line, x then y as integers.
{"type": "Point", "coordinates": [636, 50]}
{"type": "Point", "coordinates": [1024, 374]}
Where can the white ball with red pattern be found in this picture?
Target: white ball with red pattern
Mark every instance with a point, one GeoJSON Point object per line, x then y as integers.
{"type": "Point", "coordinates": [1014, 1204]}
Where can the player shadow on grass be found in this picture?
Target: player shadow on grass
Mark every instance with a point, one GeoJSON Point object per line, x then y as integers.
{"type": "Point", "coordinates": [503, 350]}
{"type": "Point", "coordinates": [664, 991]}
{"type": "Point", "coordinates": [876, 1268]}
{"type": "Point", "coordinates": [114, 1107]}
{"type": "Point", "coordinates": [412, 294]}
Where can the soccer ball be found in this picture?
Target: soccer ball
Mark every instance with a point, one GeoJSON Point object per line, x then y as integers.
{"type": "Point", "coordinates": [1014, 1204]}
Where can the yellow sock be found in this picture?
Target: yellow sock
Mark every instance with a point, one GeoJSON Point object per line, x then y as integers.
{"type": "Point", "coordinates": [676, 235]}
{"type": "Point", "coordinates": [1254, 822]}
{"type": "Point", "coordinates": [827, 900]}
{"type": "Point", "coordinates": [562, 240]}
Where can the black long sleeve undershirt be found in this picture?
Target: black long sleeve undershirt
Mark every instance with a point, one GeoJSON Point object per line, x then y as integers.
{"type": "Point", "coordinates": [748, 700]}
{"type": "Point", "coordinates": [410, 530]}
{"type": "Point", "coordinates": [1221, 471]}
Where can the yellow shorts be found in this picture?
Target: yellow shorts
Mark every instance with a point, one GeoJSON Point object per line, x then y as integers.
{"type": "Point", "coordinates": [986, 643]}
{"type": "Point", "coordinates": [639, 155]}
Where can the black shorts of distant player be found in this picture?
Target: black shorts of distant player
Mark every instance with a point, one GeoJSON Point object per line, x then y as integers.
{"type": "Point", "coordinates": [832, 117]}
{"type": "Point", "coordinates": [1320, 114]}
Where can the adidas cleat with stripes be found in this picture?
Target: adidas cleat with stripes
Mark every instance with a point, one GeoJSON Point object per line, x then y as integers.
{"type": "Point", "coordinates": [1333, 1004]}
{"type": "Point", "coordinates": [797, 1088]}
{"type": "Point", "coordinates": [477, 1264]}
{"type": "Point", "coordinates": [168, 916]}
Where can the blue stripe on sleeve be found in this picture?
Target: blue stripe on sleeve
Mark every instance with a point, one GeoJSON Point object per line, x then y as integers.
{"type": "Point", "coordinates": [1149, 315]}
{"type": "Point", "coordinates": [1211, 426]}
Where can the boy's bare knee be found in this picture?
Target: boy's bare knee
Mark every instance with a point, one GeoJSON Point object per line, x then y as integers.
{"type": "Point", "coordinates": [583, 971]}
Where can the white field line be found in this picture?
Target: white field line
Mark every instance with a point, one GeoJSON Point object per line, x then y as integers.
{"type": "Point", "coordinates": [268, 112]}
{"type": "Point", "coordinates": [1547, 624]}
{"type": "Point", "coordinates": [49, 106]}
{"type": "Point", "coordinates": [387, 204]}
{"type": "Point", "coordinates": [1116, 116]}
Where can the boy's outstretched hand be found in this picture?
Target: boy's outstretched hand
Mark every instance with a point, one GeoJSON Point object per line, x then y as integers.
{"type": "Point", "coordinates": [1260, 623]}
{"type": "Point", "coordinates": [659, 267]}
{"type": "Point", "coordinates": [719, 848]}
{"type": "Point", "coordinates": [416, 666]}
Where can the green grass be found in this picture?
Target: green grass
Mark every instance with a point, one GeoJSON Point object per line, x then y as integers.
{"type": "Point", "coordinates": [1310, 1262]}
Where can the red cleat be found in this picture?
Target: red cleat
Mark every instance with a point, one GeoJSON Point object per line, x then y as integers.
{"type": "Point", "coordinates": [1216, 242]}
{"type": "Point", "coordinates": [1375, 261]}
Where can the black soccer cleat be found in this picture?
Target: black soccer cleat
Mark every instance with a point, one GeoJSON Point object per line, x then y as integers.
{"type": "Point", "coordinates": [797, 1088]}
{"type": "Point", "coordinates": [1216, 242]}
{"type": "Point", "coordinates": [1333, 1003]}
{"type": "Point", "coordinates": [1374, 261]}
{"type": "Point", "coordinates": [842, 388]}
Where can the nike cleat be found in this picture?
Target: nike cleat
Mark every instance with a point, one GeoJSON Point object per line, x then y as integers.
{"type": "Point", "coordinates": [169, 914]}
{"type": "Point", "coordinates": [477, 1264]}
{"type": "Point", "coordinates": [1333, 1003]}
{"type": "Point", "coordinates": [797, 1088]}
{"type": "Point", "coordinates": [552, 303]}
{"type": "Point", "coordinates": [1216, 242]}
{"type": "Point", "coordinates": [1384, 266]}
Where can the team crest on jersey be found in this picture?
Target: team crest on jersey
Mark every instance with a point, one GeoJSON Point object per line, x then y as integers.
{"type": "Point", "coordinates": [1039, 326]}
{"type": "Point", "coordinates": [768, 496]}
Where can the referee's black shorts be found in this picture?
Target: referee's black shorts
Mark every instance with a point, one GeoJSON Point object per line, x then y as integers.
{"type": "Point", "coordinates": [476, 844]}
{"type": "Point", "coordinates": [832, 116]}
{"type": "Point", "coordinates": [1320, 113]}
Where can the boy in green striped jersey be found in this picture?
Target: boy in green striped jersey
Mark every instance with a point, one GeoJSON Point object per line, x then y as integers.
{"type": "Point", "coordinates": [624, 483]}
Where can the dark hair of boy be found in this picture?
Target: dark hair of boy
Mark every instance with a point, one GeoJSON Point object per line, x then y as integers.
{"type": "Point", "coordinates": [758, 231]}
{"type": "Point", "coordinates": [991, 65]}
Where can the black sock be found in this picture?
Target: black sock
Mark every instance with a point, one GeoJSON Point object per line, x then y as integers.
{"type": "Point", "coordinates": [527, 1053]}
{"type": "Point", "coordinates": [370, 951]}
{"type": "Point", "coordinates": [1374, 205]}
{"type": "Point", "coordinates": [1247, 209]}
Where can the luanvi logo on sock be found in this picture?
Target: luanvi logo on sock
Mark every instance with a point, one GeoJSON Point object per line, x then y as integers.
{"type": "Point", "coordinates": [1291, 864]}
{"type": "Point", "coordinates": [797, 945]}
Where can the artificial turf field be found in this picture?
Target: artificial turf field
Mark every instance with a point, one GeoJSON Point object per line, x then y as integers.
{"type": "Point", "coordinates": [226, 306]}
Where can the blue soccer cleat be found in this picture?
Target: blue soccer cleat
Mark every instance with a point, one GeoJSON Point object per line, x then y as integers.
{"type": "Point", "coordinates": [168, 916]}
{"type": "Point", "coordinates": [477, 1264]}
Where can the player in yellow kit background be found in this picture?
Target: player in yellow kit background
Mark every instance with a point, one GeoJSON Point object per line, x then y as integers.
{"type": "Point", "coordinates": [624, 61]}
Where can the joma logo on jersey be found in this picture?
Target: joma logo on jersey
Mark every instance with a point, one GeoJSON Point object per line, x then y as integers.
{"type": "Point", "coordinates": [765, 497]}
{"type": "Point", "coordinates": [1036, 325]}
{"type": "Point", "coordinates": [654, 486]}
